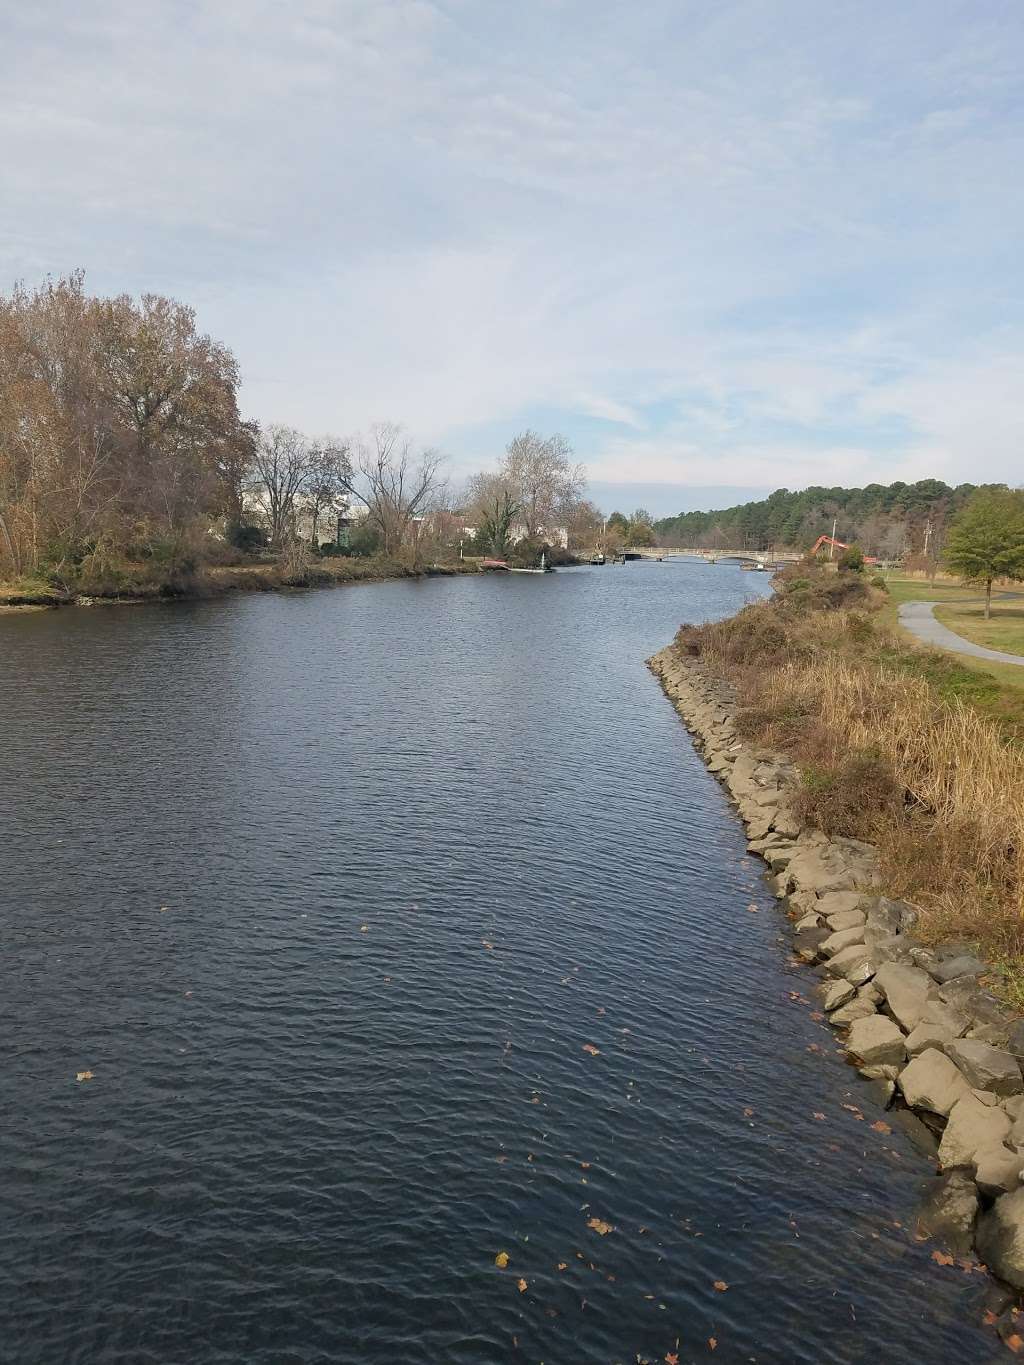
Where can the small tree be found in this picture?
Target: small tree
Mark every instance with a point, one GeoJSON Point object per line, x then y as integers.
{"type": "Point", "coordinates": [496, 523]}
{"type": "Point", "coordinates": [986, 541]}
{"type": "Point", "coordinates": [852, 559]}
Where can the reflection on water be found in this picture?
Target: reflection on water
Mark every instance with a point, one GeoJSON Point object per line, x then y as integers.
{"type": "Point", "coordinates": [400, 926]}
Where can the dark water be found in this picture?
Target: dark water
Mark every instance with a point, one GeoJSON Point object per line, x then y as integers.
{"type": "Point", "coordinates": [329, 892]}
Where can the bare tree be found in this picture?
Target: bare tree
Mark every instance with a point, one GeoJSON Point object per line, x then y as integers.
{"type": "Point", "coordinates": [396, 486]}
{"type": "Point", "coordinates": [282, 459]}
{"type": "Point", "coordinates": [328, 480]}
{"type": "Point", "coordinates": [544, 481]}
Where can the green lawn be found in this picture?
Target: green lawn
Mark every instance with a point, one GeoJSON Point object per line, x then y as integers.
{"type": "Point", "coordinates": [961, 612]}
{"type": "Point", "coordinates": [1005, 630]}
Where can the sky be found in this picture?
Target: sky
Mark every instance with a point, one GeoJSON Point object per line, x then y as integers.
{"type": "Point", "coordinates": [723, 246]}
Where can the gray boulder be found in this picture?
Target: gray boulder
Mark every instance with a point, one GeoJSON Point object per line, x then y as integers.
{"type": "Point", "coordinates": [845, 919]}
{"type": "Point", "coordinates": [811, 921]}
{"type": "Point", "coordinates": [931, 1081]}
{"type": "Point", "coordinates": [1000, 1238]}
{"type": "Point", "coordinates": [853, 963]}
{"type": "Point", "coordinates": [839, 903]}
{"type": "Point", "coordinates": [973, 1127]}
{"type": "Point", "coordinates": [837, 993]}
{"type": "Point", "coordinates": [986, 1067]}
{"type": "Point", "coordinates": [964, 965]}
{"type": "Point", "coordinates": [906, 990]}
{"type": "Point", "coordinates": [949, 1211]}
{"type": "Point", "coordinates": [947, 1017]}
{"type": "Point", "coordinates": [997, 1171]}
{"type": "Point", "coordinates": [927, 1035]}
{"type": "Point", "coordinates": [807, 944]}
{"type": "Point", "coordinates": [849, 1013]}
{"type": "Point", "coordinates": [877, 1042]}
{"type": "Point", "coordinates": [845, 938]}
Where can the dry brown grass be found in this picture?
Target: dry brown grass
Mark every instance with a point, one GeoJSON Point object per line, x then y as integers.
{"type": "Point", "coordinates": [889, 752]}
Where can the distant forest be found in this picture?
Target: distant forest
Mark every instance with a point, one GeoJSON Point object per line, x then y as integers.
{"type": "Point", "coordinates": [888, 521]}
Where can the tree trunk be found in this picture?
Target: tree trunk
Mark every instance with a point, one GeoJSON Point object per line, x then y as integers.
{"type": "Point", "coordinates": [988, 598]}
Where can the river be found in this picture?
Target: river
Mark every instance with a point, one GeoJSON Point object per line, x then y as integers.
{"type": "Point", "coordinates": [400, 926]}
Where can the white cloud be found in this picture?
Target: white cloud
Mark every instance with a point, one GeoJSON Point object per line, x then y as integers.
{"type": "Point", "coordinates": [747, 241]}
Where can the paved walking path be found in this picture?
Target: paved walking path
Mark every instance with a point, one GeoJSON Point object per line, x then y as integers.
{"type": "Point", "coordinates": [918, 619]}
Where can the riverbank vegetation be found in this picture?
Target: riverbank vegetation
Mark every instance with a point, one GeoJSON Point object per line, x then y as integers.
{"type": "Point", "coordinates": [901, 746]}
{"type": "Point", "coordinates": [127, 470]}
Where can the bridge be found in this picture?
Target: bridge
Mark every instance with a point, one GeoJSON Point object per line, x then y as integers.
{"type": "Point", "coordinates": [763, 558]}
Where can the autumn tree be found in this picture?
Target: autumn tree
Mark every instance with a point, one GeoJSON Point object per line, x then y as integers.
{"type": "Point", "coordinates": [986, 541]}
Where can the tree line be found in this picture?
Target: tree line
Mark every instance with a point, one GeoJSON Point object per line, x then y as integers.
{"type": "Point", "coordinates": [890, 521]}
{"type": "Point", "coordinates": [121, 442]}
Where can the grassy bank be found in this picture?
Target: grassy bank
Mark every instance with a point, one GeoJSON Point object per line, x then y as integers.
{"type": "Point", "coordinates": [142, 582]}
{"type": "Point", "coordinates": [903, 746]}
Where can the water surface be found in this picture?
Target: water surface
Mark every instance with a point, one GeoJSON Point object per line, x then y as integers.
{"type": "Point", "coordinates": [335, 893]}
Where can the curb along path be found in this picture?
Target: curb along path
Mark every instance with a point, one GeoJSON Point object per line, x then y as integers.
{"type": "Point", "coordinates": [914, 1018]}
{"type": "Point", "coordinates": [919, 619]}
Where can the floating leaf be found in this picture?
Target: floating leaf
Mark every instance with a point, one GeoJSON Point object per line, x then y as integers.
{"type": "Point", "coordinates": [820, 1117]}
{"type": "Point", "coordinates": [83, 1076]}
{"type": "Point", "coordinates": [594, 1051]}
{"type": "Point", "coordinates": [941, 1258]}
{"type": "Point", "coordinates": [748, 1113]}
{"type": "Point", "coordinates": [522, 1286]}
{"type": "Point", "coordinates": [501, 1260]}
{"type": "Point", "coordinates": [881, 1127]}
{"type": "Point", "coordinates": [364, 928]}
{"type": "Point", "coordinates": [599, 1225]}
{"type": "Point", "coordinates": [1015, 1342]}
{"type": "Point", "coordinates": [721, 1286]}
{"type": "Point", "coordinates": [713, 1343]}
{"type": "Point", "coordinates": [563, 1265]}
{"type": "Point", "coordinates": [671, 1358]}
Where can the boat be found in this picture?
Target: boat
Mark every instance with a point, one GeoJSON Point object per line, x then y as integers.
{"type": "Point", "coordinates": [493, 566]}
{"type": "Point", "coordinates": [597, 558]}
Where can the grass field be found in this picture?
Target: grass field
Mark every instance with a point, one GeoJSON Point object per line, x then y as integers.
{"type": "Point", "coordinates": [960, 611]}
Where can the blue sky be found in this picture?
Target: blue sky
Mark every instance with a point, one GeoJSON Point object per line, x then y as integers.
{"type": "Point", "coordinates": [721, 245]}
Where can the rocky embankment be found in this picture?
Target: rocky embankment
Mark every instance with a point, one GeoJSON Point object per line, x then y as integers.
{"type": "Point", "coordinates": [914, 1019]}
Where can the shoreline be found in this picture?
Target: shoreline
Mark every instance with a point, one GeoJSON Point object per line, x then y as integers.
{"type": "Point", "coordinates": [941, 1053]}
{"type": "Point", "coordinates": [226, 581]}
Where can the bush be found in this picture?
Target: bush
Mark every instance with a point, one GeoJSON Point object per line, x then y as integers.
{"type": "Point", "coordinates": [363, 541]}
{"type": "Point", "coordinates": [878, 581]}
{"type": "Point", "coordinates": [853, 797]}
{"type": "Point", "coordinates": [246, 537]}
{"type": "Point", "coordinates": [852, 560]}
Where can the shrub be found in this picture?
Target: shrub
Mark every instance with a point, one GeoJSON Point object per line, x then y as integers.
{"type": "Point", "coordinates": [853, 797]}
{"type": "Point", "coordinates": [878, 581]}
{"type": "Point", "coordinates": [246, 537]}
{"type": "Point", "coordinates": [852, 560]}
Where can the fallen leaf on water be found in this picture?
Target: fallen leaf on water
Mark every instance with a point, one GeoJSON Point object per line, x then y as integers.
{"type": "Point", "coordinates": [585, 1165]}
{"type": "Point", "coordinates": [522, 1286]}
{"type": "Point", "coordinates": [989, 1318]}
{"type": "Point", "coordinates": [364, 928]}
{"type": "Point", "coordinates": [748, 1113]}
{"type": "Point", "coordinates": [489, 946]}
{"type": "Point", "coordinates": [1015, 1342]}
{"type": "Point", "coordinates": [599, 1225]}
{"type": "Point", "coordinates": [820, 1117]}
{"type": "Point", "coordinates": [83, 1076]}
{"type": "Point", "coordinates": [501, 1260]}
{"type": "Point", "coordinates": [881, 1127]}
{"type": "Point", "coordinates": [671, 1358]}
{"type": "Point", "coordinates": [594, 1051]}
{"type": "Point", "coordinates": [817, 1016]}
{"type": "Point", "coordinates": [941, 1258]}
{"type": "Point", "coordinates": [563, 1265]}
{"type": "Point", "coordinates": [713, 1343]}
{"type": "Point", "coordinates": [852, 1109]}
{"type": "Point", "coordinates": [721, 1286]}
